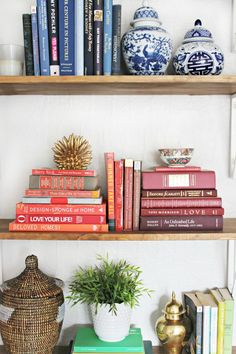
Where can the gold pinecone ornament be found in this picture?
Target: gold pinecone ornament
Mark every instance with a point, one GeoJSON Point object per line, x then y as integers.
{"type": "Point", "coordinates": [72, 153]}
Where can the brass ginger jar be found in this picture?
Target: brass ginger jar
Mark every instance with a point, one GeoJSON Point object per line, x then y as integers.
{"type": "Point", "coordinates": [31, 311]}
{"type": "Point", "coordinates": [172, 328]}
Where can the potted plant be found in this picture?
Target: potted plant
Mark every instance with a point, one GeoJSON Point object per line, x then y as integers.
{"type": "Point", "coordinates": [112, 289]}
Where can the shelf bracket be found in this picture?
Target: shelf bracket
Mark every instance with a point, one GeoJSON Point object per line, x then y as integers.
{"type": "Point", "coordinates": [231, 257]}
{"type": "Point", "coordinates": [232, 162]}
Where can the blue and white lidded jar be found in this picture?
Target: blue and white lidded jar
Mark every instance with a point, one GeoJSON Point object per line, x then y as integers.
{"type": "Point", "coordinates": [198, 55]}
{"type": "Point", "coordinates": [146, 47]}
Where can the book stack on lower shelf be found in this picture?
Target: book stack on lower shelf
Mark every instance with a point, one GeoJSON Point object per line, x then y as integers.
{"type": "Point", "coordinates": [61, 201]}
{"type": "Point", "coordinates": [180, 199]}
{"type": "Point", "coordinates": [87, 342]}
{"type": "Point", "coordinates": [212, 316]}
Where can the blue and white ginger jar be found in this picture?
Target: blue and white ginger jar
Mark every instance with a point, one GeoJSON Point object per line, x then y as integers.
{"type": "Point", "coordinates": [198, 55]}
{"type": "Point", "coordinates": [146, 47]}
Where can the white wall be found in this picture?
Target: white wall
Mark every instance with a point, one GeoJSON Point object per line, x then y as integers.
{"type": "Point", "coordinates": [131, 126]}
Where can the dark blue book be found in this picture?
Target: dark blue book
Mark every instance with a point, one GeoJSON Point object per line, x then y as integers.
{"type": "Point", "coordinates": [88, 37]}
{"type": "Point", "coordinates": [98, 37]}
{"type": "Point", "coordinates": [28, 44]}
{"type": "Point", "coordinates": [53, 35]}
{"type": "Point", "coordinates": [35, 38]}
{"type": "Point", "coordinates": [67, 37]}
{"type": "Point", "coordinates": [43, 37]}
{"type": "Point", "coordinates": [107, 39]}
{"type": "Point", "coordinates": [116, 39]}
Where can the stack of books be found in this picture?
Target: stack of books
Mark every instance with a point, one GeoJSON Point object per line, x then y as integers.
{"type": "Point", "coordinates": [212, 316]}
{"type": "Point", "coordinates": [61, 201]}
{"type": "Point", "coordinates": [72, 37]}
{"type": "Point", "coordinates": [123, 193]}
{"type": "Point", "coordinates": [87, 342]}
{"type": "Point", "coordinates": [182, 199]}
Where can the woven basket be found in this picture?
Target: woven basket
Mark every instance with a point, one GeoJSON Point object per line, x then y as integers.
{"type": "Point", "coordinates": [31, 311]}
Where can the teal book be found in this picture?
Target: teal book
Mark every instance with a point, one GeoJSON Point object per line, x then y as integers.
{"type": "Point", "coordinates": [86, 341]}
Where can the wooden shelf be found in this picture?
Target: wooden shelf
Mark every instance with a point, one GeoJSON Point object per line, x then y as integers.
{"type": "Point", "coordinates": [229, 233]}
{"type": "Point", "coordinates": [118, 85]}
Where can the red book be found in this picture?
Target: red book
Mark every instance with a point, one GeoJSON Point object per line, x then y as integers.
{"type": "Point", "coordinates": [110, 173]}
{"type": "Point", "coordinates": [181, 203]}
{"type": "Point", "coordinates": [179, 180]}
{"type": "Point", "coordinates": [62, 193]}
{"type": "Point", "coordinates": [181, 223]}
{"type": "Point", "coordinates": [179, 193]}
{"type": "Point", "coordinates": [177, 169]}
{"type": "Point", "coordinates": [65, 209]}
{"type": "Point", "coordinates": [128, 195]}
{"type": "Point", "coordinates": [13, 226]}
{"type": "Point", "coordinates": [182, 212]}
{"type": "Point", "coordinates": [49, 172]}
{"type": "Point", "coordinates": [119, 188]}
{"type": "Point", "coordinates": [137, 194]}
{"type": "Point", "coordinates": [59, 219]}
{"type": "Point", "coordinates": [63, 182]}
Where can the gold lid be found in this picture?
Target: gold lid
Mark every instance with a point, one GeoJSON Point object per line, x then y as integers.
{"type": "Point", "coordinates": [174, 309]}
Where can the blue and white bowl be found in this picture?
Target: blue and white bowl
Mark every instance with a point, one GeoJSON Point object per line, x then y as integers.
{"type": "Point", "coordinates": [146, 47]}
{"type": "Point", "coordinates": [198, 55]}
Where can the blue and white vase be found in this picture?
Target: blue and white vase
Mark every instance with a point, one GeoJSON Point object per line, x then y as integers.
{"type": "Point", "coordinates": [146, 47]}
{"type": "Point", "coordinates": [198, 55]}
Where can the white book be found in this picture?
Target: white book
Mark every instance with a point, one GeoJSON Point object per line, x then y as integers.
{"type": "Point", "coordinates": [206, 322]}
{"type": "Point", "coordinates": [79, 37]}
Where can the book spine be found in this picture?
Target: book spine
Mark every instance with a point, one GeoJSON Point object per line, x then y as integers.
{"type": "Point", "coordinates": [13, 226]}
{"type": "Point", "coordinates": [28, 44]}
{"type": "Point", "coordinates": [206, 330]}
{"type": "Point", "coordinates": [228, 327]}
{"type": "Point", "coordinates": [62, 193]}
{"type": "Point", "coordinates": [187, 223]}
{"type": "Point", "coordinates": [213, 330]}
{"type": "Point", "coordinates": [67, 37]}
{"type": "Point", "coordinates": [116, 39]}
{"type": "Point", "coordinates": [181, 193]}
{"type": "Point", "coordinates": [128, 195]}
{"type": "Point", "coordinates": [53, 35]}
{"type": "Point", "coordinates": [59, 219]}
{"type": "Point", "coordinates": [198, 338]}
{"type": "Point", "coordinates": [107, 41]}
{"type": "Point", "coordinates": [60, 200]}
{"type": "Point", "coordinates": [195, 314]}
{"type": "Point", "coordinates": [35, 38]}
{"type": "Point", "coordinates": [79, 37]}
{"type": "Point", "coordinates": [78, 173]}
{"type": "Point", "coordinates": [221, 320]}
{"type": "Point", "coordinates": [88, 37]}
{"type": "Point", "coordinates": [61, 209]}
{"type": "Point", "coordinates": [110, 173]}
{"type": "Point", "coordinates": [63, 182]}
{"type": "Point", "coordinates": [43, 37]}
{"type": "Point", "coordinates": [183, 202]}
{"type": "Point", "coordinates": [98, 36]}
{"type": "Point", "coordinates": [181, 180]}
{"type": "Point", "coordinates": [119, 189]}
{"type": "Point", "coordinates": [182, 212]}
{"type": "Point", "coordinates": [137, 194]}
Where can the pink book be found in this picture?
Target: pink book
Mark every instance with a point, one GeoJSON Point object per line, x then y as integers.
{"type": "Point", "coordinates": [177, 169]}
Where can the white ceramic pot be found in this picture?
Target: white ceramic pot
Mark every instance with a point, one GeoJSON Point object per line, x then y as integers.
{"type": "Point", "coordinates": [108, 326]}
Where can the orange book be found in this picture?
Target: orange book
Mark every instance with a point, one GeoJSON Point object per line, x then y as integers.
{"type": "Point", "coordinates": [13, 226]}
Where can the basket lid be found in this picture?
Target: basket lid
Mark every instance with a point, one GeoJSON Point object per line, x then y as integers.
{"type": "Point", "coordinates": [32, 283]}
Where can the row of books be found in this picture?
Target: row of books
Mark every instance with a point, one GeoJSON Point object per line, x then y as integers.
{"type": "Point", "coordinates": [180, 199]}
{"type": "Point", "coordinates": [72, 37]}
{"type": "Point", "coordinates": [61, 201]}
{"type": "Point", "coordinates": [212, 316]}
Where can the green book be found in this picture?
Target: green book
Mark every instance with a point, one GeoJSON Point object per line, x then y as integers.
{"type": "Point", "coordinates": [146, 343]}
{"type": "Point", "coordinates": [86, 341]}
{"type": "Point", "coordinates": [229, 318]}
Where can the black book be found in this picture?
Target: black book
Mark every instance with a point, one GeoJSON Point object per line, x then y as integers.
{"type": "Point", "coordinates": [116, 39]}
{"type": "Point", "coordinates": [28, 44]}
{"type": "Point", "coordinates": [98, 37]}
{"type": "Point", "coordinates": [88, 37]}
{"type": "Point", "coordinates": [53, 36]}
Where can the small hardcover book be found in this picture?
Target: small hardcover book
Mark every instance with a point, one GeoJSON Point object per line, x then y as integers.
{"type": "Point", "coordinates": [88, 37]}
{"type": "Point", "coordinates": [119, 191]}
{"type": "Point", "coordinates": [116, 39]}
{"type": "Point", "coordinates": [98, 37]}
{"type": "Point", "coordinates": [53, 32]}
{"type": "Point", "coordinates": [43, 37]}
{"type": "Point", "coordinates": [221, 319]}
{"type": "Point", "coordinates": [63, 182]}
{"type": "Point", "coordinates": [67, 37]}
{"type": "Point", "coordinates": [229, 319]}
{"type": "Point", "coordinates": [35, 38]}
{"type": "Point", "coordinates": [110, 174]}
{"type": "Point", "coordinates": [137, 194]}
{"type": "Point", "coordinates": [86, 341]}
{"type": "Point", "coordinates": [107, 40]}
{"type": "Point", "coordinates": [79, 37]}
{"type": "Point", "coordinates": [194, 312]}
{"type": "Point", "coordinates": [128, 195]}
{"type": "Point", "coordinates": [28, 45]}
